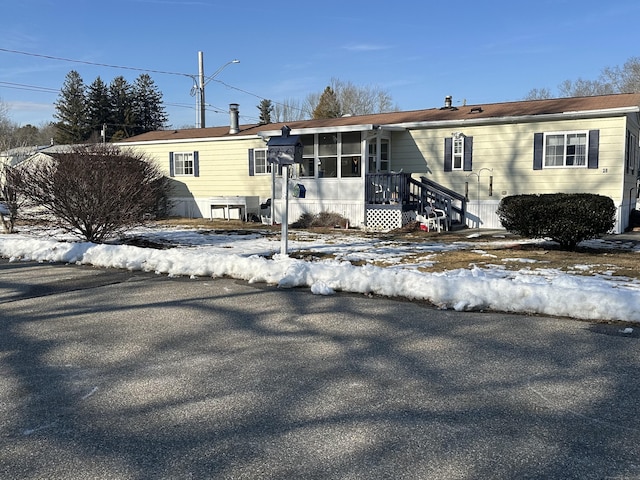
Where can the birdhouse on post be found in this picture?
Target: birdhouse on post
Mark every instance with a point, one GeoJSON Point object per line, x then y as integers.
{"type": "Point", "coordinates": [285, 151]}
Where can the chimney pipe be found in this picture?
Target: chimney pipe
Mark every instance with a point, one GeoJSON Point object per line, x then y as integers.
{"type": "Point", "coordinates": [448, 101]}
{"type": "Point", "coordinates": [234, 127]}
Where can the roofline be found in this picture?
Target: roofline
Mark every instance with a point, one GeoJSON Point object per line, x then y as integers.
{"type": "Point", "coordinates": [423, 124]}
{"type": "Point", "coordinates": [573, 115]}
{"type": "Point", "coordinates": [189, 140]}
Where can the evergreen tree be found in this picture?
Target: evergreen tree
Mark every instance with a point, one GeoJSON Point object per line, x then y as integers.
{"type": "Point", "coordinates": [71, 112]}
{"type": "Point", "coordinates": [148, 109]}
{"type": "Point", "coordinates": [98, 105]}
{"type": "Point", "coordinates": [265, 107]}
{"type": "Point", "coordinates": [122, 113]}
{"type": "Point", "coordinates": [328, 106]}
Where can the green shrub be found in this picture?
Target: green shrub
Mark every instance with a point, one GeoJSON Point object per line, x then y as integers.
{"type": "Point", "coordinates": [566, 218]}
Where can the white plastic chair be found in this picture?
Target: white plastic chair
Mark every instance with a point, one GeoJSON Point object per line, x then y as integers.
{"type": "Point", "coordinates": [435, 219]}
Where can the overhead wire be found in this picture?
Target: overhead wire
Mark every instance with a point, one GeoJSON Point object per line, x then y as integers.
{"type": "Point", "coordinates": [85, 62]}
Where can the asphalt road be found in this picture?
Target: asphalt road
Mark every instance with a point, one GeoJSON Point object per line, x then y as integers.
{"type": "Point", "coordinates": [107, 374]}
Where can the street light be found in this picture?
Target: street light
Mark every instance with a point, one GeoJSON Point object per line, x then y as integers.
{"type": "Point", "coordinates": [198, 88]}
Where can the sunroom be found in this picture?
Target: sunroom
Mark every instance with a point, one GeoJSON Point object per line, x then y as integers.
{"type": "Point", "coordinates": [349, 171]}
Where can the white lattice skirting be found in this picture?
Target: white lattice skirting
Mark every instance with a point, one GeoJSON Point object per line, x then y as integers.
{"type": "Point", "coordinates": [388, 219]}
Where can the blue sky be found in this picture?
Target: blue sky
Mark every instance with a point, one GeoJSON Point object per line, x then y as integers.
{"type": "Point", "coordinates": [418, 51]}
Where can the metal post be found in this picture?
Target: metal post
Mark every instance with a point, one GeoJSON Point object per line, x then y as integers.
{"type": "Point", "coordinates": [284, 231]}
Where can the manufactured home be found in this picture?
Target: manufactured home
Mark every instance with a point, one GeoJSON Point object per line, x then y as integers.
{"type": "Point", "coordinates": [379, 171]}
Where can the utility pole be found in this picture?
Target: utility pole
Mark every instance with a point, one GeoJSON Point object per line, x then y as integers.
{"type": "Point", "coordinates": [198, 88]}
{"type": "Point", "coordinates": [201, 87]}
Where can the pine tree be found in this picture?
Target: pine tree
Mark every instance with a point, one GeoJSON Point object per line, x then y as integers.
{"type": "Point", "coordinates": [122, 114]}
{"type": "Point", "coordinates": [148, 109]}
{"type": "Point", "coordinates": [328, 105]}
{"type": "Point", "coordinates": [98, 105]}
{"type": "Point", "coordinates": [71, 112]}
{"type": "Point", "coordinates": [265, 107]}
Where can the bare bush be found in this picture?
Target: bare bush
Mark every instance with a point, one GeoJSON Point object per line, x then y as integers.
{"type": "Point", "coordinates": [95, 192]}
{"type": "Point", "coordinates": [320, 220]}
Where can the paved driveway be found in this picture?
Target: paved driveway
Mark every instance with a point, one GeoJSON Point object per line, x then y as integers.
{"type": "Point", "coordinates": [119, 375]}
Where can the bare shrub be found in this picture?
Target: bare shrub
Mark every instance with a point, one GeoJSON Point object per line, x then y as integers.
{"type": "Point", "coordinates": [320, 220]}
{"type": "Point", "coordinates": [94, 191]}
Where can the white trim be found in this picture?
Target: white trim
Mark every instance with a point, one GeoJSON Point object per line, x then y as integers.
{"type": "Point", "coordinates": [187, 140]}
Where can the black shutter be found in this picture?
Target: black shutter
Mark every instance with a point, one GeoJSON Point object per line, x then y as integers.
{"type": "Point", "coordinates": [172, 170]}
{"type": "Point", "coordinates": [538, 150]}
{"type": "Point", "coordinates": [468, 154]}
{"type": "Point", "coordinates": [448, 161]}
{"type": "Point", "coordinates": [251, 163]}
{"type": "Point", "coordinates": [196, 164]}
{"type": "Point", "coordinates": [594, 141]}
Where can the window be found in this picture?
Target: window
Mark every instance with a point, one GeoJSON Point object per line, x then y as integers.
{"type": "Point", "coordinates": [327, 155]}
{"type": "Point", "coordinates": [631, 152]}
{"type": "Point", "coordinates": [384, 156]}
{"type": "Point", "coordinates": [350, 158]}
{"type": "Point", "coordinates": [458, 152]}
{"type": "Point", "coordinates": [258, 164]}
{"type": "Point", "coordinates": [307, 167]}
{"type": "Point", "coordinates": [565, 149]}
{"type": "Point", "coordinates": [261, 166]}
{"type": "Point", "coordinates": [183, 164]}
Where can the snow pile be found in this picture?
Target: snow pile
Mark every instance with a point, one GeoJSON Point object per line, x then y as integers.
{"type": "Point", "coordinates": [550, 292]}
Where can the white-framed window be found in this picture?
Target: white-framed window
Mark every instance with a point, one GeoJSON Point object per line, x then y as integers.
{"type": "Point", "coordinates": [457, 152]}
{"type": "Point", "coordinates": [566, 149]}
{"type": "Point", "coordinates": [260, 165]}
{"type": "Point", "coordinates": [183, 164]}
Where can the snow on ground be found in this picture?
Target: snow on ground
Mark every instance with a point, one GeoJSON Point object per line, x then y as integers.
{"type": "Point", "coordinates": [255, 257]}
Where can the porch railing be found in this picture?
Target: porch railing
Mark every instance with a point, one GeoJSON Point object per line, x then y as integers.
{"type": "Point", "coordinates": [408, 193]}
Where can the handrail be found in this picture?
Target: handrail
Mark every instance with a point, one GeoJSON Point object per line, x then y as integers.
{"type": "Point", "coordinates": [403, 189]}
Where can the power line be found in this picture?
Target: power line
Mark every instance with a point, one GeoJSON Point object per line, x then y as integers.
{"type": "Point", "coordinates": [22, 86]}
{"type": "Point", "coordinates": [50, 57]}
{"type": "Point", "coordinates": [164, 72]}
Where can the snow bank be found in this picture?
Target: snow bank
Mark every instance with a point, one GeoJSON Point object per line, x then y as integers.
{"type": "Point", "coordinates": [555, 293]}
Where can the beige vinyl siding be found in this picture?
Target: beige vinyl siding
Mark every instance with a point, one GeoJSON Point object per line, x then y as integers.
{"type": "Point", "coordinates": [508, 151]}
{"type": "Point", "coordinates": [224, 166]}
